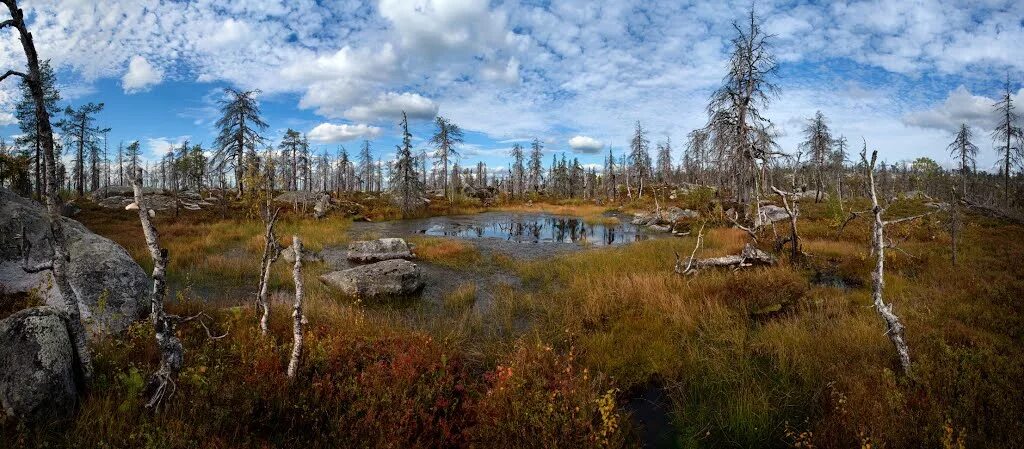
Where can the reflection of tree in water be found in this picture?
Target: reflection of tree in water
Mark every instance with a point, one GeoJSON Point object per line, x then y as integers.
{"type": "Point", "coordinates": [541, 229]}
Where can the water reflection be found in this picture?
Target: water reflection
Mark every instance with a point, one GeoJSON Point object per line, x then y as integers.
{"type": "Point", "coordinates": [537, 229]}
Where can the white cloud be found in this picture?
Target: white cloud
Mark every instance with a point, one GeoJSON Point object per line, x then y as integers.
{"type": "Point", "coordinates": [157, 147]}
{"type": "Point", "coordinates": [391, 105]}
{"type": "Point", "coordinates": [230, 33]}
{"type": "Point", "coordinates": [585, 144]}
{"type": "Point", "coordinates": [331, 133]}
{"type": "Point", "coordinates": [444, 28]}
{"type": "Point", "coordinates": [509, 73]}
{"type": "Point", "coordinates": [959, 107]}
{"type": "Point", "coordinates": [141, 75]}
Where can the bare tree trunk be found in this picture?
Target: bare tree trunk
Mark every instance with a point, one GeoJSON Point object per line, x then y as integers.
{"type": "Point", "coordinates": [894, 328]}
{"type": "Point", "coordinates": [794, 237]}
{"type": "Point", "coordinates": [839, 190]}
{"type": "Point", "coordinates": [293, 365]}
{"type": "Point", "coordinates": [53, 201]}
{"type": "Point", "coordinates": [270, 252]}
{"type": "Point", "coordinates": [161, 384]}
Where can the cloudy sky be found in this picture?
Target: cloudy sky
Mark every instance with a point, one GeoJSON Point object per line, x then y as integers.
{"type": "Point", "coordinates": [574, 73]}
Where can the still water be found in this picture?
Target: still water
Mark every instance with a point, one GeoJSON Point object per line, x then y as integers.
{"type": "Point", "coordinates": [534, 228]}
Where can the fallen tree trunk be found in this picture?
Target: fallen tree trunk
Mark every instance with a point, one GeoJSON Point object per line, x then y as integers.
{"type": "Point", "coordinates": [750, 256]}
{"type": "Point", "coordinates": [991, 211]}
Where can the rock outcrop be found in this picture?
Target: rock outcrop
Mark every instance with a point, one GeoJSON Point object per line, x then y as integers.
{"type": "Point", "coordinates": [112, 288]}
{"type": "Point", "coordinates": [120, 197]}
{"type": "Point", "coordinates": [377, 250]}
{"type": "Point", "coordinates": [664, 220]}
{"type": "Point", "coordinates": [37, 365]}
{"type": "Point", "coordinates": [322, 206]}
{"type": "Point", "coordinates": [307, 255]}
{"type": "Point", "coordinates": [389, 278]}
{"type": "Point", "coordinates": [774, 213]}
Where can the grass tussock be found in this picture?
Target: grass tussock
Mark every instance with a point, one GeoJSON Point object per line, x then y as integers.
{"type": "Point", "coordinates": [447, 252]}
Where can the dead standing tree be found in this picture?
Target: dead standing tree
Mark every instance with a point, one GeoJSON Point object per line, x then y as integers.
{"type": "Point", "coordinates": [161, 384]}
{"type": "Point", "coordinates": [894, 327]}
{"type": "Point", "coordinates": [271, 251]}
{"type": "Point", "coordinates": [59, 263]}
{"type": "Point", "coordinates": [293, 364]}
{"type": "Point", "coordinates": [794, 237]}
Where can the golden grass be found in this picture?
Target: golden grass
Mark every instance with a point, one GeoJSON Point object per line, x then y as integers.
{"type": "Point", "coordinates": [445, 251]}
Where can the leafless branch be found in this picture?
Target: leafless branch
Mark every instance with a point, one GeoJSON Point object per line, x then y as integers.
{"type": "Point", "coordinates": [11, 72]}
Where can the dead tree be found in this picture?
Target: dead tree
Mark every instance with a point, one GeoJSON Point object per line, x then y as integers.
{"type": "Point", "coordinates": [894, 327]}
{"type": "Point", "coordinates": [293, 364]}
{"type": "Point", "coordinates": [160, 385]}
{"type": "Point", "coordinates": [955, 224]}
{"type": "Point", "coordinates": [794, 237]}
{"type": "Point", "coordinates": [271, 251]}
{"type": "Point", "coordinates": [680, 269]}
{"type": "Point", "coordinates": [748, 257]}
{"type": "Point", "coordinates": [58, 265]}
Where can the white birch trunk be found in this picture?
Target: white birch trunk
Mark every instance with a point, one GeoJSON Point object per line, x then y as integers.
{"type": "Point", "coordinates": [293, 364]}
{"type": "Point", "coordinates": [161, 384]}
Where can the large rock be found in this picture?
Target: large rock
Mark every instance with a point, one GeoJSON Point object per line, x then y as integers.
{"type": "Point", "coordinates": [112, 288]}
{"type": "Point", "coordinates": [37, 365]}
{"type": "Point", "coordinates": [288, 254]}
{"type": "Point", "coordinates": [664, 219]}
{"type": "Point", "coordinates": [395, 277]}
{"type": "Point", "coordinates": [378, 250]}
{"type": "Point", "coordinates": [774, 213]}
{"type": "Point", "coordinates": [322, 206]}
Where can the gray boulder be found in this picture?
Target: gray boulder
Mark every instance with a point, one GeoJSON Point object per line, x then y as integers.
{"type": "Point", "coordinates": [665, 217]}
{"type": "Point", "coordinates": [774, 213]}
{"type": "Point", "coordinates": [37, 365]}
{"type": "Point", "coordinates": [378, 250]}
{"type": "Point", "coordinates": [674, 214]}
{"type": "Point", "coordinates": [112, 289]}
{"type": "Point", "coordinates": [394, 277]}
{"type": "Point", "coordinates": [307, 256]}
{"type": "Point", "coordinates": [322, 206]}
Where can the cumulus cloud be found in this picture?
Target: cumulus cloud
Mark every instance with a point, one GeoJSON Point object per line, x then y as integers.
{"type": "Point", "coordinates": [7, 118]}
{"type": "Point", "coordinates": [157, 147]}
{"type": "Point", "coordinates": [230, 33]}
{"type": "Point", "coordinates": [391, 105]}
{"type": "Point", "coordinates": [331, 133]}
{"type": "Point", "coordinates": [141, 75]}
{"type": "Point", "coordinates": [509, 73]}
{"type": "Point", "coordinates": [959, 107]}
{"type": "Point", "coordinates": [436, 28]}
{"type": "Point", "coordinates": [585, 144]}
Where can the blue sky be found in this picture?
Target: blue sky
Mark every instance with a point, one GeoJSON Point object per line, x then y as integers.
{"type": "Point", "coordinates": [575, 74]}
